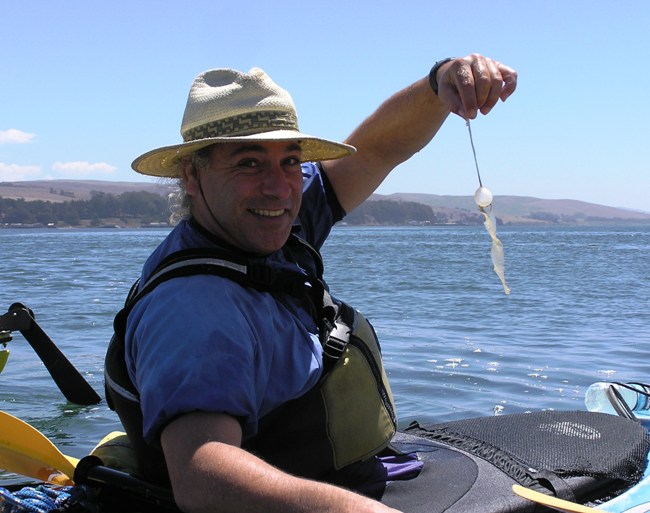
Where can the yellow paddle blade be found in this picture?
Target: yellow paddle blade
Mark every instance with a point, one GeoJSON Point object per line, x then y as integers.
{"type": "Point", "coordinates": [18, 463]}
{"type": "Point", "coordinates": [25, 450]}
{"type": "Point", "coordinates": [553, 502]}
{"type": "Point", "coordinates": [4, 354]}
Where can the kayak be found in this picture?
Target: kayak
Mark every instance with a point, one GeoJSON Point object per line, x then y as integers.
{"type": "Point", "coordinates": [637, 498]}
{"type": "Point", "coordinates": [466, 476]}
{"type": "Point", "coordinates": [135, 495]}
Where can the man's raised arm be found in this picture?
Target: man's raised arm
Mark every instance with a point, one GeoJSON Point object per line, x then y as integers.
{"type": "Point", "coordinates": [408, 120]}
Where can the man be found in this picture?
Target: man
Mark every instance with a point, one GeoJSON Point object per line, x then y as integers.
{"type": "Point", "coordinates": [228, 376]}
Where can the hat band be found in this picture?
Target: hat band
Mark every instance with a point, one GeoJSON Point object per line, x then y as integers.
{"type": "Point", "coordinates": [244, 124]}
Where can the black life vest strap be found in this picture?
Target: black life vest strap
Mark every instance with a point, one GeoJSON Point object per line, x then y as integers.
{"type": "Point", "coordinates": [250, 272]}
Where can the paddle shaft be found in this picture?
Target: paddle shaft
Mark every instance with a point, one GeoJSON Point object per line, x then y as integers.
{"type": "Point", "coordinates": [71, 383]}
{"type": "Point", "coordinates": [136, 492]}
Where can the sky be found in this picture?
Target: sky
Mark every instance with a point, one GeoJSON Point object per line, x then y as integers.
{"type": "Point", "coordinates": [86, 86]}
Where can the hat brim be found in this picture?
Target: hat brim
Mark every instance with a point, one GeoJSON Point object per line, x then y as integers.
{"type": "Point", "coordinates": [166, 161]}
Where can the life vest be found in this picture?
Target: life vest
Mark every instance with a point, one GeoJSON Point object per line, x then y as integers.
{"type": "Point", "coordinates": [347, 418]}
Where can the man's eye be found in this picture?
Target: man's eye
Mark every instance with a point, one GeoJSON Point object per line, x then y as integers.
{"type": "Point", "coordinates": [249, 163]}
{"type": "Point", "coordinates": [292, 161]}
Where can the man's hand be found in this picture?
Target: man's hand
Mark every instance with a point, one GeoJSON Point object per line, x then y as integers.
{"type": "Point", "coordinates": [474, 84]}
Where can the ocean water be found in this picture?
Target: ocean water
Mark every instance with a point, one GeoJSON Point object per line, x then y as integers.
{"type": "Point", "coordinates": [455, 345]}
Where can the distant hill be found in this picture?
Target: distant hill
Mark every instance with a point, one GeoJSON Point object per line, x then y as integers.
{"type": "Point", "coordinates": [58, 191]}
{"type": "Point", "coordinates": [523, 209]}
{"type": "Point", "coordinates": [444, 209]}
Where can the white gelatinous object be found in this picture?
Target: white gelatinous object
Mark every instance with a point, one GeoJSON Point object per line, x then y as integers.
{"type": "Point", "coordinates": [497, 248]}
{"type": "Point", "coordinates": [483, 197]}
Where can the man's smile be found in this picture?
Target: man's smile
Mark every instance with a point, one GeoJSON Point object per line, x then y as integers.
{"type": "Point", "coordinates": [268, 213]}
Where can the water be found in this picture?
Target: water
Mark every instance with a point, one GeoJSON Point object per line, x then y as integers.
{"type": "Point", "coordinates": [455, 346]}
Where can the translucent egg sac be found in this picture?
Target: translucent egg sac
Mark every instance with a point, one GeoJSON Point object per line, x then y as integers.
{"type": "Point", "coordinates": [483, 197]}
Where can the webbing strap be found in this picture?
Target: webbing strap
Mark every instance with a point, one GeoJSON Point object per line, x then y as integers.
{"type": "Point", "coordinates": [551, 481]}
{"type": "Point", "coordinates": [252, 272]}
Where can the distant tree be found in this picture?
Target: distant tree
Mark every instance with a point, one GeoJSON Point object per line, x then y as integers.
{"type": "Point", "coordinates": [19, 212]}
{"type": "Point", "coordinates": [69, 214]}
{"type": "Point", "coordinates": [145, 205]}
{"type": "Point", "coordinates": [544, 216]}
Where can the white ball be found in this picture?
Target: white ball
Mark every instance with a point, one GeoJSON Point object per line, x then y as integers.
{"type": "Point", "coordinates": [483, 197]}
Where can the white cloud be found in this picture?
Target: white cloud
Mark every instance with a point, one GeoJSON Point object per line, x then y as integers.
{"type": "Point", "coordinates": [83, 169]}
{"type": "Point", "coordinates": [13, 136]}
{"type": "Point", "coordinates": [14, 172]}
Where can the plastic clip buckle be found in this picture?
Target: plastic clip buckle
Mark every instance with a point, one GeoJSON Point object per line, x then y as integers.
{"type": "Point", "coordinates": [261, 274]}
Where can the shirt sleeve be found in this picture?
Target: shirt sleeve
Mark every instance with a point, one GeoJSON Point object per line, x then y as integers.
{"type": "Point", "coordinates": [320, 208]}
{"type": "Point", "coordinates": [216, 361]}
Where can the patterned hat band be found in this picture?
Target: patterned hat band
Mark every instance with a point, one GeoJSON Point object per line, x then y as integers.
{"type": "Point", "coordinates": [244, 124]}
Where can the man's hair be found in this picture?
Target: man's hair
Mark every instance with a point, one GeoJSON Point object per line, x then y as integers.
{"type": "Point", "coordinates": [180, 203]}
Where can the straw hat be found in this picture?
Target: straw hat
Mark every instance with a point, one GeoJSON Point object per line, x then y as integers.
{"type": "Point", "coordinates": [226, 105]}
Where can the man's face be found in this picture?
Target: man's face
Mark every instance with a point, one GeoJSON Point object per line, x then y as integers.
{"type": "Point", "coordinates": [251, 193]}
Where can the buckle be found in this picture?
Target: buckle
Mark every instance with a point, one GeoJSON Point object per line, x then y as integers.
{"type": "Point", "coordinates": [261, 274]}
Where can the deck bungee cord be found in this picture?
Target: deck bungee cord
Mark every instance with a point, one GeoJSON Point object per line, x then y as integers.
{"type": "Point", "coordinates": [35, 499]}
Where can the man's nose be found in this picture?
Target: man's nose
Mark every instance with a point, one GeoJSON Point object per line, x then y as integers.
{"type": "Point", "coordinates": [275, 182]}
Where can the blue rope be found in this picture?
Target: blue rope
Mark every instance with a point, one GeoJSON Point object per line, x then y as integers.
{"type": "Point", "coordinates": [41, 499]}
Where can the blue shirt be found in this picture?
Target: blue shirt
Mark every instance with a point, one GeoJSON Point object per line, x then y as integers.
{"type": "Point", "coordinates": [205, 343]}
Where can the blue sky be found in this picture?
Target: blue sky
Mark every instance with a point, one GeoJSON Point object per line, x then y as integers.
{"type": "Point", "coordinates": [85, 86]}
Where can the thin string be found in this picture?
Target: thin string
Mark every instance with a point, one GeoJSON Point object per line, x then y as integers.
{"type": "Point", "coordinates": [471, 140]}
